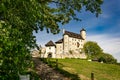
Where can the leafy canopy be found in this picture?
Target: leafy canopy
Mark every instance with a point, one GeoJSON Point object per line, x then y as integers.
{"type": "Point", "coordinates": [94, 51]}
{"type": "Point", "coordinates": [18, 20]}
{"type": "Point", "coordinates": [92, 48]}
{"type": "Point", "coordinates": [107, 58]}
{"type": "Point", "coordinates": [45, 13]}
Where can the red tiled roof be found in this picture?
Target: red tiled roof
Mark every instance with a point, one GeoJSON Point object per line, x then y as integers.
{"type": "Point", "coordinates": [74, 35]}
{"type": "Point", "coordinates": [50, 43]}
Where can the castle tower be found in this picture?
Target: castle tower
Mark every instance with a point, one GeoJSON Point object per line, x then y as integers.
{"type": "Point", "coordinates": [83, 33]}
{"type": "Point", "coordinates": [65, 42]}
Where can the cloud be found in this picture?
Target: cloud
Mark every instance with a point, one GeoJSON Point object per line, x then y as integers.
{"type": "Point", "coordinates": [108, 43]}
{"type": "Point", "coordinates": [105, 16]}
{"type": "Point", "coordinates": [43, 37]}
{"type": "Point", "coordinates": [115, 28]}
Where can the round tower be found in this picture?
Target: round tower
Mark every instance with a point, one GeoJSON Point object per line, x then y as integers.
{"type": "Point", "coordinates": [83, 33]}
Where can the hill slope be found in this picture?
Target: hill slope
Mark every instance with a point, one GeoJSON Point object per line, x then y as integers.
{"type": "Point", "coordinates": [84, 68]}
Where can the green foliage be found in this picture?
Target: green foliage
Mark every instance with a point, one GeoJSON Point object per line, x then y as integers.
{"type": "Point", "coordinates": [107, 58]}
{"type": "Point", "coordinates": [92, 49]}
{"type": "Point", "coordinates": [14, 54]}
{"type": "Point", "coordinates": [18, 20]}
{"type": "Point", "coordinates": [45, 13]}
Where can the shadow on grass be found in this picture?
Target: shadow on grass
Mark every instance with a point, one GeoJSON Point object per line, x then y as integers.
{"type": "Point", "coordinates": [67, 74]}
{"type": "Point", "coordinates": [58, 67]}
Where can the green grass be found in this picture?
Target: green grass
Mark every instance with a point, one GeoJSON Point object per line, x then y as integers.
{"type": "Point", "coordinates": [84, 68]}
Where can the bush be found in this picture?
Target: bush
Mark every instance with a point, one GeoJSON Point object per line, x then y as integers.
{"type": "Point", "coordinates": [107, 58]}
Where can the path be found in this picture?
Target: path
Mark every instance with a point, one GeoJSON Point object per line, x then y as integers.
{"type": "Point", "coordinates": [47, 73]}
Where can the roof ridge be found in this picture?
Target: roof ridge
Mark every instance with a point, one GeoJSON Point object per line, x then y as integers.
{"type": "Point", "coordinates": [73, 32]}
{"type": "Point", "coordinates": [59, 41]}
{"type": "Point", "coordinates": [50, 43]}
{"type": "Point", "coordinates": [74, 35]}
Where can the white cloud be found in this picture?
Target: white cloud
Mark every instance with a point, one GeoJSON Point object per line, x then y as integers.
{"type": "Point", "coordinates": [42, 37]}
{"type": "Point", "coordinates": [105, 16]}
{"type": "Point", "coordinates": [108, 44]}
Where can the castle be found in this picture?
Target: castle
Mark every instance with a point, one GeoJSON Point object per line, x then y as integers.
{"type": "Point", "coordinates": [69, 46]}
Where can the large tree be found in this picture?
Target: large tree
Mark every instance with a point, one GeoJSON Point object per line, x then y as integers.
{"type": "Point", "coordinates": [92, 49]}
{"type": "Point", "coordinates": [18, 20]}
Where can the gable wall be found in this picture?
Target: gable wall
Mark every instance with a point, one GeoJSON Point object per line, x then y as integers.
{"type": "Point", "coordinates": [75, 43]}
{"type": "Point", "coordinates": [59, 48]}
{"type": "Point", "coordinates": [50, 49]}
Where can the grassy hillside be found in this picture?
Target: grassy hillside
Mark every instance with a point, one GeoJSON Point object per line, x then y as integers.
{"type": "Point", "coordinates": [83, 69]}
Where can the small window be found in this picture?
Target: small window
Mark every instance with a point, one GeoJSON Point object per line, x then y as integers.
{"type": "Point", "coordinates": [78, 44]}
{"type": "Point", "coordinates": [49, 47]}
{"type": "Point", "coordinates": [81, 45]}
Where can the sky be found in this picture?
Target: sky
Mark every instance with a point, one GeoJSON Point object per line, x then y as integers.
{"type": "Point", "coordinates": [105, 30]}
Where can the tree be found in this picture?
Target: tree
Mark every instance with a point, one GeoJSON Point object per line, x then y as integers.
{"type": "Point", "coordinates": [18, 20]}
{"type": "Point", "coordinates": [92, 49]}
{"type": "Point", "coordinates": [107, 58]}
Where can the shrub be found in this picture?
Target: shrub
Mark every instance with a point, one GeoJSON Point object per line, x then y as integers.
{"type": "Point", "coordinates": [107, 58]}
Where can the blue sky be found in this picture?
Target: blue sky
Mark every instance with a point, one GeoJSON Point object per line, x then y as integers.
{"type": "Point", "coordinates": [105, 30]}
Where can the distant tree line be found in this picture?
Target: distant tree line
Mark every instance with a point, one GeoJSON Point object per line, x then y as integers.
{"type": "Point", "coordinates": [94, 52]}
